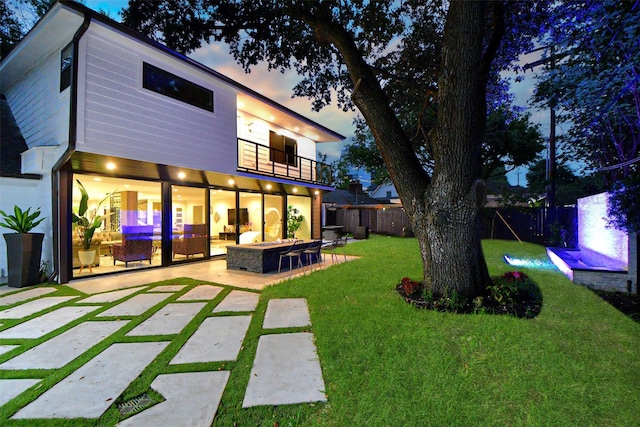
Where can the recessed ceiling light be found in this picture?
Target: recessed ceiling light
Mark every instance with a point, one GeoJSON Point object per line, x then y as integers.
{"type": "Point", "coordinates": [295, 190]}
{"type": "Point", "coordinates": [316, 192]}
{"type": "Point", "coordinates": [268, 186]}
{"type": "Point", "coordinates": [111, 166]}
{"type": "Point", "coordinates": [181, 175]}
{"type": "Point", "coordinates": [231, 182]}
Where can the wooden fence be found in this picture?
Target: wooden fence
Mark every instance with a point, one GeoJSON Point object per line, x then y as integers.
{"type": "Point", "coordinates": [534, 225]}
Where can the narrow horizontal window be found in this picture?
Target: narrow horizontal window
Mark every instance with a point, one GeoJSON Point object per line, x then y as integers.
{"type": "Point", "coordinates": [167, 84]}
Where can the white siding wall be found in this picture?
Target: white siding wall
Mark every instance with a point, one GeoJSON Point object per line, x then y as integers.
{"type": "Point", "coordinates": [381, 191]}
{"type": "Point", "coordinates": [118, 117]}
{"type": "Point", "coordinates": [41, 111]}
{"type": "Point", "coordinates": [27, 193]}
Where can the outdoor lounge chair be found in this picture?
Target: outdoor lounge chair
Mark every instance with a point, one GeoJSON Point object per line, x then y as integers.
{"type": "Point", "coordinates": [330, 247]}
{"type": "Point", "coordinates": [314, 248]}
{"type": "Point", "coordinates": [341, 242]}
{"type": "Point", "coordinates": [294, 251]}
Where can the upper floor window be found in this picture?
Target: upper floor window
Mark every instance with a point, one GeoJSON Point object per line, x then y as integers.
{"type": "Point", "coordinates": [167, 84]}
{"type": "Point", "coordinates": [283, 149]}
{"type": "Point", "coordinates": [388, 194]}
{"type": "Point", "coordinates": [66, 61]}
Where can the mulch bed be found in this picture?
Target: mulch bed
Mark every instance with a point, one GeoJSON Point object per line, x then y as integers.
{"type": "Point", "coordinates": [629, 304]}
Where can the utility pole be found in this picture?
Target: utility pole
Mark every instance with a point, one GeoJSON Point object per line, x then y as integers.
{"type": "Point", "coordinates": [550, 175]}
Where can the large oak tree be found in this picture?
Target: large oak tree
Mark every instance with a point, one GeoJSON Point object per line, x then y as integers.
{"type": "Point", "coordinates": [341, 48]}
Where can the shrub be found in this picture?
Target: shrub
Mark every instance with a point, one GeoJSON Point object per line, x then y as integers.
{"type": "Point", "coordinates": [512, 293]}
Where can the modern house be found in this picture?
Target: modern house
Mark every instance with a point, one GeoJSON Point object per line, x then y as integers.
{"type": "Point", "coordinates": [192, 158]}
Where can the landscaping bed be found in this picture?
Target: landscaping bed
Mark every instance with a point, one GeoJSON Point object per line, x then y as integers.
{"type": "Point", "coordinates": [629, 304]}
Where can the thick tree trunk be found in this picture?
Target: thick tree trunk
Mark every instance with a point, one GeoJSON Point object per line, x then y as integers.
{"type": "Point", "coordinates": [453, 258]}
{"type": "Point", "coordinates": [443, 209]}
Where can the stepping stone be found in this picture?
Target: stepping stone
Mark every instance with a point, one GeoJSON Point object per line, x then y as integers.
{"type": "Point", "coordinates": [286, 370]}
{"type": "Point", "coordinates": [238, 301]}
{"type": "Point", "coordinates": [41, 326]}
{"type": "Point", "coordinates": [89, 391]}
{"type": "Point", "coordinates": [167, 288]}
{"type": "Point", "coordinates": [25, 295]}
{"type": "Point", "coordinates": [7, 348]}
{"type": "Point", "coordinates": [286, 313]}
{"type": "Point", "coordinates": [62, 349]}
{"type": "Point", "coordinates": [201, 292]}
{"type": "Point", "coordinates": [135, 305]}
{"type": "Point", "coordinates": [192, 399]}
{"type": "Point", "coordinates": [109, 296]}
{"type": "Point", "coordinates": [217, 339]}
{"type": "Point", "coordinates": [12, 388]}
{"type": "Point", "coordinates": [32, 307]}
{"type": "Point", "coordinates": [170, 319]}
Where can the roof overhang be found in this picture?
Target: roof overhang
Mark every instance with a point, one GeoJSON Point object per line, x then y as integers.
{"type": "Point", "coordinates": [96, 164]}
{"type": "Point", "coordinates": [60, 23]}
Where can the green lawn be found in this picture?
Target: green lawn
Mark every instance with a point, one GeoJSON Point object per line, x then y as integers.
{"type": "Point", "coordinates": [386, 363]}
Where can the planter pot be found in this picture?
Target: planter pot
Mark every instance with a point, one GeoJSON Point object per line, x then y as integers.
{"type": "Point", "coordinates": [86, 259]}
{"type": "Point", "coordinates": [23, 258]}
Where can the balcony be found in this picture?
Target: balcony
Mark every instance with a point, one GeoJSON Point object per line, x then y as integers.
{"type": "Point", "coordinates": [268, 161]}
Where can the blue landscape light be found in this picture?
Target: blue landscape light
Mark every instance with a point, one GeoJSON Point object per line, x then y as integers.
{"type": "Point", "coordinates": [526, 263]}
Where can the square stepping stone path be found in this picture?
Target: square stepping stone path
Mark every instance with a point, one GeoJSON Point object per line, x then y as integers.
{"type": "Point", "coordinates": [135, 306]}
{"type": "Point", "coordinates": [286, 370]}
{"type": "Point", "coordinates": [7, 348]}
{"type": "Point", "coordinates": [287, 313]}
{"type": "Point", "coordinates": [170, 319]}
{"type": "Point", "coordinates": [238, 301]}
{"type": "Point", "coordinates": [191, 399]}
{"type": "Point", "coordinates": [216, 340]}
{"type": "Point", "coordinates": [24, 295]}
{"type": "Point", "coordinates": [62, 349]}
{"type": "Point", "coordinates": [89, 391]}
{"type": "Point", "coordinates": [201, 292]}
{"type": "Point", "coordinates": [109, 296]}
{"type": "Point", "coordinates": [41, 326]}
{"type": "Point", "coordinates": [32, 307]}
{"type": "Point", "coordinates": [13, 387]}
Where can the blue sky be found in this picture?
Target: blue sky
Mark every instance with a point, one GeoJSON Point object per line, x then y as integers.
{"type": "Point", "coordinates": [279, 87]}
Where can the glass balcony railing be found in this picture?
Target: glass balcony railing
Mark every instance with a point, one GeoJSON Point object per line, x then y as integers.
{"type": "Point", "coordinates": [264, 160]}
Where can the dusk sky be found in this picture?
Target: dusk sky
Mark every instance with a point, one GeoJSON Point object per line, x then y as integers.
{"type": "Point", "coordinates": [279, 87]}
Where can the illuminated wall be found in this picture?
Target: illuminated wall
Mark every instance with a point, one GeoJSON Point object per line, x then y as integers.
{"type": "Point", "coordinates": [599, 241]}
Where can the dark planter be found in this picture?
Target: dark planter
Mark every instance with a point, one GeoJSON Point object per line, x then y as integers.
{"type": "Point", "coordinates": [23, 258]}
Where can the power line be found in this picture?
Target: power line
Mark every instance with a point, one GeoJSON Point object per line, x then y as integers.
{"type": "Point", "coordinates": [619, 165]}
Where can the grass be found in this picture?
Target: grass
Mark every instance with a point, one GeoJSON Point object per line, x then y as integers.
{"type": "Point", "coordinates": [387, 363]}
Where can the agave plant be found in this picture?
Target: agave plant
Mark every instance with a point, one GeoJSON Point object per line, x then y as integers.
{"type": "Point", "coordinates": [21, 221]}
{"type": "Point", "coordinates": [87, 223]}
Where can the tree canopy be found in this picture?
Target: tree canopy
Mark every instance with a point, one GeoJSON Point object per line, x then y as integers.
{"type": "Point", "coordinates": [595, 85]}
{"type": "Point", "coordinates": [354, 52]}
